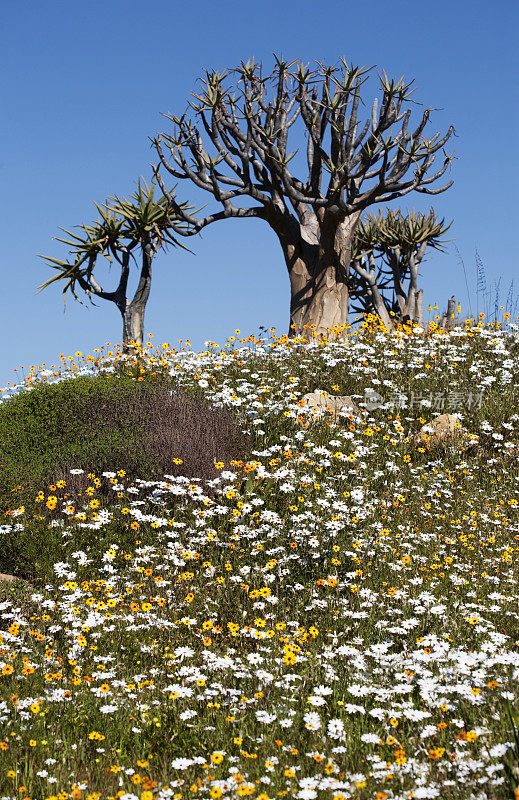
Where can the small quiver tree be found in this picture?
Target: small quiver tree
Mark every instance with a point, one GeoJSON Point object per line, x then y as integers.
{"type": "Point", "coordinates": [126, 230]}
{"type": "Point", "coordinates": [387, 255]}
{"type": "Point", "coordinates": [350, 165]}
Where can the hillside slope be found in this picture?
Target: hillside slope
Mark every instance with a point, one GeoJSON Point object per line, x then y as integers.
{"type": "Point", "coordinates": [331, 614]}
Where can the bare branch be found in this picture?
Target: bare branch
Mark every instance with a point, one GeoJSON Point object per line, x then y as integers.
{"type": "Point", "coordinates": [248, 124]}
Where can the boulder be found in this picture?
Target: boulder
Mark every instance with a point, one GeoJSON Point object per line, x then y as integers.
{"type": "Point", "coordinates": [5, 578]}
{"type": "Point", "coordinates": [322, 401]}
{"type": "Point", "coordinates": [444, 430]}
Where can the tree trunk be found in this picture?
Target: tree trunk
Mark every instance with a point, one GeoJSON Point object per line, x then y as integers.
{"type": "Point", "coordinates": [418, 307]}
{"type": "Point", "coordinates": [133, 312]}
{"type": "Point", "coordinates": [380, 308]}
{"type": "Point", "coordinates": [448, 315]}
{"type": "Point", "coordinates": [133, 326]}
{"type": "Point", "coordinates": [410, 304]}
{"type": "Point", "coordinates": [414, 303]}
{"type": "Point", "coordinates": [318, 263]}
{"type": "Point", "coordinates": [398, 285]}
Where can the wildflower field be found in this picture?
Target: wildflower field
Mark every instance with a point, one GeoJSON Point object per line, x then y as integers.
{"type": "Point", "coordinates": [332, 616]}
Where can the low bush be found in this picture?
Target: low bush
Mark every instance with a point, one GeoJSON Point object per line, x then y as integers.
{"type": "Point", "coordinates": [106, 423]}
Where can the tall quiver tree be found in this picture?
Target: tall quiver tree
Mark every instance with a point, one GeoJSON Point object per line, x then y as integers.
{"type": "Point", "coordinates": [127, 230]}
{"type": "Point", "coordinates": [397, 245]}
{"type": "Point", "coordinates": [314, 217]}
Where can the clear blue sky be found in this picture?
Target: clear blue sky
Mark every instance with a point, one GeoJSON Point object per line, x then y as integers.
{"type": "Point", "coordinates": [84, 85]}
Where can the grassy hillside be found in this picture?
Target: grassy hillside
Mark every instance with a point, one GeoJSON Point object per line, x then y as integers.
{"type": "Point", "coordinates": [225, 594]}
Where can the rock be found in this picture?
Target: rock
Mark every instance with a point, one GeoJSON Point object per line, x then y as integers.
{"type": "Point", "coordinates": [322, 401]}
{"type": "Point", "coordinates": [444, 430]}
{"type": "Point", "coordinates": [5, 578]}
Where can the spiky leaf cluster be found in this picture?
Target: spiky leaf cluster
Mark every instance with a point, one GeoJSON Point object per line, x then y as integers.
{"type": "Point", "coordinates": [396, 231]}
{"type": "Point", "coordinates": [122, 225]}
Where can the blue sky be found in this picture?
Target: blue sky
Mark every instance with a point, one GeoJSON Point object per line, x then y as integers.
{"type": "Point", "coordinates": [84, 85]}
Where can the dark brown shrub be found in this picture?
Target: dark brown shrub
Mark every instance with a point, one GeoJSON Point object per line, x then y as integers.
{"type": "Point", "coordinates": [105, 424]}
{"type": "Point", "coordinates": [156, 426]}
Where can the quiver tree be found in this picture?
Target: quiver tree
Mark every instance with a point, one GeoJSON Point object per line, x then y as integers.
{"type": "Point", "coordinates": [125, 231]}
{"type": "Point", "coordinates": [387, 253]}
{"type": "Point", "coordinates": [349, 166]}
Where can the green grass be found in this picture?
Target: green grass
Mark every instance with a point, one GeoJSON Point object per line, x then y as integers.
{"type": "Point", "coordinates": [326, 611]}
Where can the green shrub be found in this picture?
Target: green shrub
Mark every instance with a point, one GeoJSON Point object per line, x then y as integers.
{"type": "Point", "coordinates": [108, 423]}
